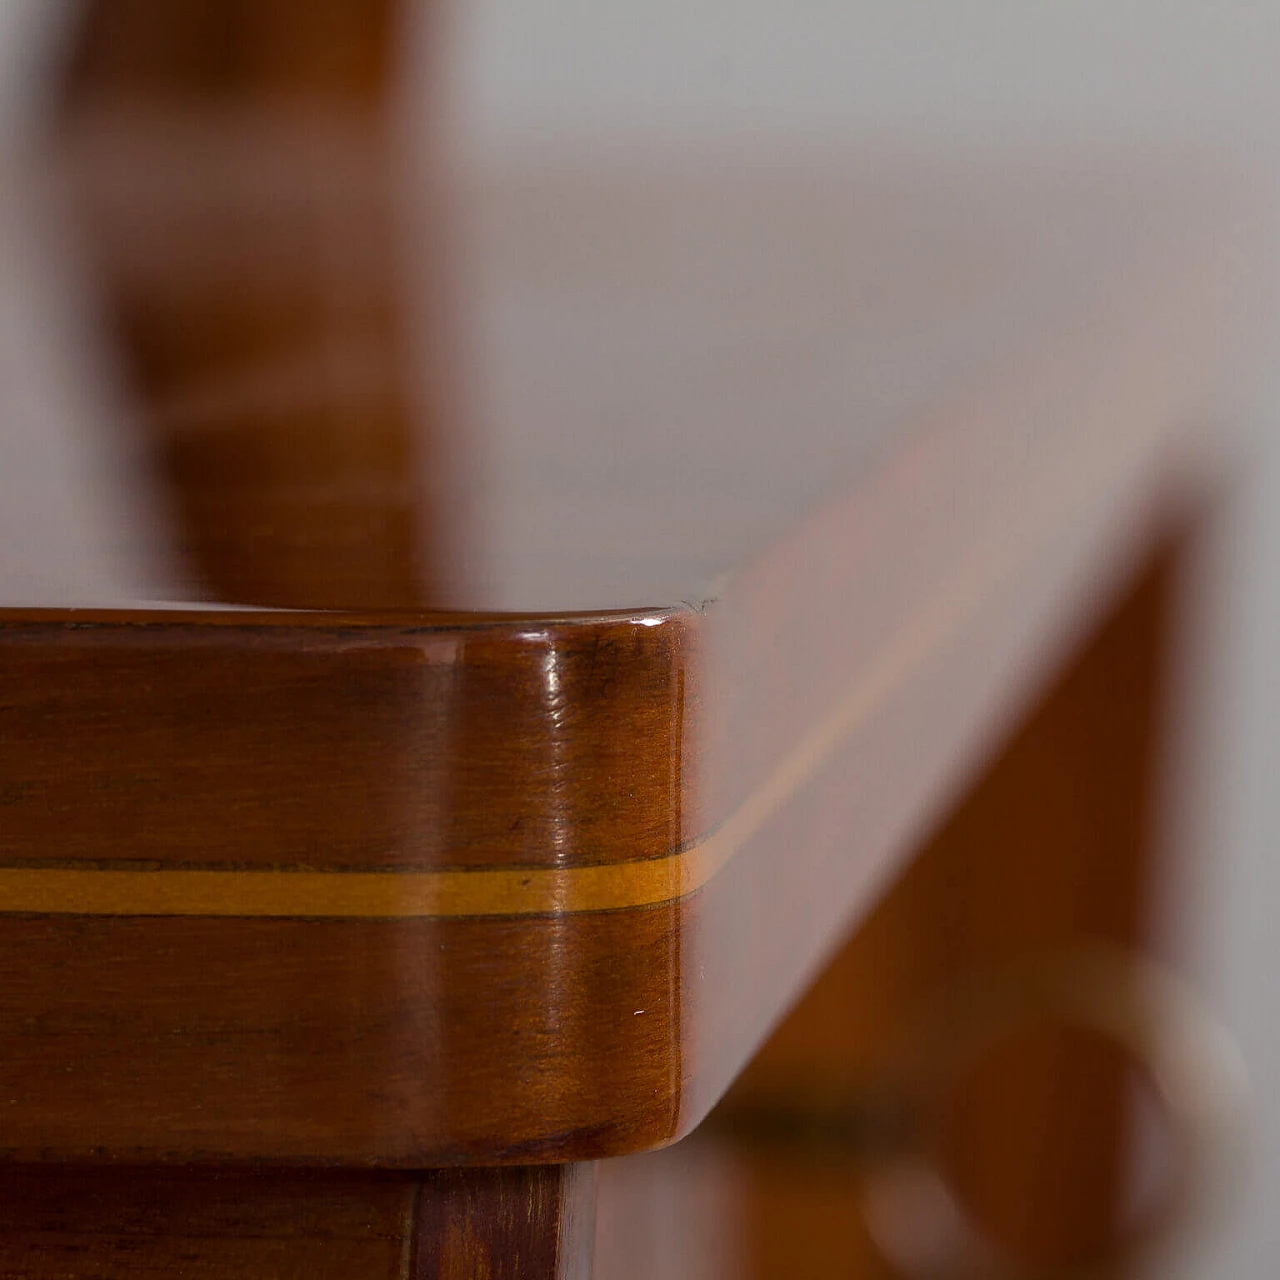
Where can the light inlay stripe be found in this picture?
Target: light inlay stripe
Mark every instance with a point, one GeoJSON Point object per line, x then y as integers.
{"type": "Point", "coordinates": [989, 563]}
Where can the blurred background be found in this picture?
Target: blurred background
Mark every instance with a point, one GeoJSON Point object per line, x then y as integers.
{"type": "Point", "coordinates": [950, 74]}
{"type": "Point", "coordinates": [1197, 74]}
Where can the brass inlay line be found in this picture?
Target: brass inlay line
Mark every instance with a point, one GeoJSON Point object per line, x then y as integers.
{"type": "Point", "coordinates": [345, 894]}
{"type": "Point", "coordinates": [550, 891]}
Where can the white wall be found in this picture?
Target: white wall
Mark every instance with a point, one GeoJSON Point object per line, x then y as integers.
{"type": "Point", "coordinates": [1119, 72]}
{"type": "Point", "coordinates": [968, 68]}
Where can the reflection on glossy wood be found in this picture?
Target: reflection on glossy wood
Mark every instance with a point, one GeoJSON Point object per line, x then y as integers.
{"type": "Point", "coordinates": [560, 1036]}
{"type": "Point", "coordinates": [363, 882]}
{"type": "Point", "coordinates": [315, 751]}
{"type": "Point", "coordinates": [138, 1224]}
{"type": "Point", "coordinates": [1054, 843]}
{"type": "Point", "coordinates": [848, 611]}
{"type": "Point", "coordinates": [416, 745]}
{"type": "Point", "coordinates": [409, 1043]}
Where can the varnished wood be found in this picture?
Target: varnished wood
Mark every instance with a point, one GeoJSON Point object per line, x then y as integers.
{"type": "Point", "coordinates": [406, 1043]}
{"type": "Point", "coordinates": [369, 746]}
{"type": "Point", "coordinates": [1055, 842]}
{"type": "Point", "coordinates": [496, 717]}
{"type": "Point", "coordinates": [134, 1224]}
{"type": "Point", "coordinates": [517, 1224]}
{"type": "Point", "coordinates": [591, 706]}
{"type": "Point", "coordinates": [801, 726]}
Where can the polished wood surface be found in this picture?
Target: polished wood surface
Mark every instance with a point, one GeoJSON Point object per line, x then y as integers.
{"type": "Point", "coordinates": [481, 634]}
{"type": "Point", "coordinates": [425, 887]}
{"type": "Point", "coordinates": [133, 1224]}
{"type": "Point", "coordinates": [524, 656]}
{"type": "Point", "coordinates": [1055, 842]}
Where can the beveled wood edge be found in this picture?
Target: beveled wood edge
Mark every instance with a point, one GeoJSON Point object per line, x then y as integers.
{"type": "Point", "coordinates": [516, 891]}
{"type": "Point", "coordinates": [158, 616]}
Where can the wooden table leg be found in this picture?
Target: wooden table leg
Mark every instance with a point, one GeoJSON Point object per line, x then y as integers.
{"type": "Point", "coordinates": [535, 1223]}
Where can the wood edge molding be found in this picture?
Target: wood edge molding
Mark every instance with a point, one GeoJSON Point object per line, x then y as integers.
{"type": "Point", "coordinates": [515, 891]}
{"type": "Point", "coordinates": [157, 616]}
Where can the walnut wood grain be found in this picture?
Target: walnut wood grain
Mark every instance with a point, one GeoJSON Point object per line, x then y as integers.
{"type": "Point", "coordinates": [642, 696]}
{"type": "Point", "coordinates": [518, 1224]}
{"type": "Point", "coordinates": [343, 748]}
{"type": "Point", "coordinates": [486, 1037]}
{"type": "Point", "coordinates": [135, 1224]}
{"type": "Point", "coordinates": [138, 1223]}
{"type": "Point", "coordinates": [511, 1038]}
